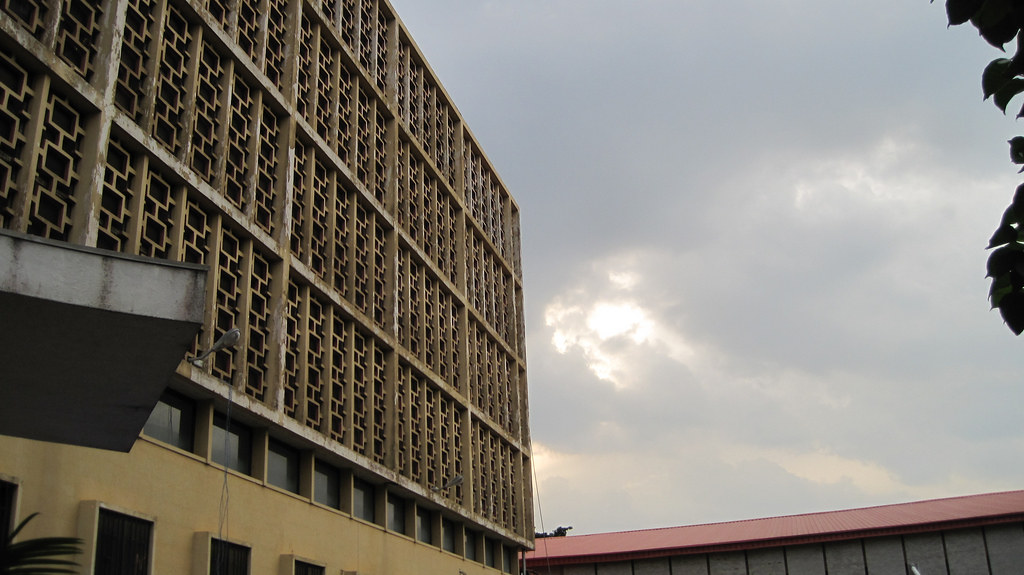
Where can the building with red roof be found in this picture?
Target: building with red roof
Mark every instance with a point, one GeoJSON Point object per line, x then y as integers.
{"type": "Point", "coordinates": [970, 535]}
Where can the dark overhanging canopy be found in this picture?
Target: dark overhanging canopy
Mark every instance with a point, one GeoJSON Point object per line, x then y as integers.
{"type": "Point", "coordinates": [89, 339]}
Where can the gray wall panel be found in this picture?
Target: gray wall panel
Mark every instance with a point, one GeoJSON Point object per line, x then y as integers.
{"type": "Point", "coordinates": [766, 561]}
{"type": "Point", "coordinates": [733, 563]}
{"type": "Point", "coordinates": [927, 552]}
{"type": "Point", "coordinates": [580, 569]}
{"type": "Point", "coordinates": [965, 552]}
{"type": "Point", "coordinates": [652, 567]}
{"type": "Point", "coordinates": [1005, 549]}
{"type": "Point", "coordinates": [806, 560]}
{"type": "Point", "coordinates": [884, 556]}
{"type": "Point", "coordinates": [690, 565]}
{"type": "Point", "coordinates": [845, 558]}
{"type": "Point", "coordinates": [622, 568]}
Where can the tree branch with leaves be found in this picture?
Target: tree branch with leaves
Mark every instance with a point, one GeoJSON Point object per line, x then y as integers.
{"type": "Point", "coordinates": [999, 22]}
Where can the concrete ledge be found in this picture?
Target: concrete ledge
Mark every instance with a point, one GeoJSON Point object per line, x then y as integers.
{"type": "Point", "coordinates": [89, 339]}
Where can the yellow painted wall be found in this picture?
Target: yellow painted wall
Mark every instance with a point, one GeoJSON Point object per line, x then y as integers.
{"type": "Point", "coordinates": [182, 494]}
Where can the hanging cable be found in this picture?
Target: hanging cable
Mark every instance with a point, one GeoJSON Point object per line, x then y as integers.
{"type": "Point", "coordinates": [540, 513]}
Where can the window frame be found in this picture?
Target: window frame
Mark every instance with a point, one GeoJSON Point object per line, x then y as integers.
{"type": "Point", "coordinates": [9, 506]}
{"type": "Point", "coordinates": [280, 452]}
{"type": "Point", "coordinates": [424, 525]}
{"type": "Point", "coordinates": [397, 507]}
{"type": "Point", "coordinates": [329, 494]}
{"type": "Point", "coordinates": [222, 426]}
{"type": "Point", "coordinates": [364, 500]}
{"type": "Point", "coordinates": [203, 547]}
{"type": "Point", "coordinates": [188, 411]}
{"type": "Point", "coordinates": [291, 566]}
{"type": "Point", "coordinates": [89, 532]}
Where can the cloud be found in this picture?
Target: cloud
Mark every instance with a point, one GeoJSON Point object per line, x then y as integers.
{"type": "Point", "coordinates": [612, 330]}
{"type": "Point", "coordinates": [753, 250]}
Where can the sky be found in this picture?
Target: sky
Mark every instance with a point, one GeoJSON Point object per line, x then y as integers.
{"type": "Point", "coordinates": [754, 250]}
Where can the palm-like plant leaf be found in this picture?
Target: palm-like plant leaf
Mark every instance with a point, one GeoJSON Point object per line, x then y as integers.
{"type": "Point", "coordinates": [38, 556]}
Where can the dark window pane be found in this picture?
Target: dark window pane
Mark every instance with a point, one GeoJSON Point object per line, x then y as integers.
{"type": "Point", "coordinates": [173, 420]}
{"type": "Point", "coordinates": [302, 568]}
{"type": "Point", "coordinates": [423, 527]}
{"type": "Point", "coordinates": [448, 528]}
{"type": "Point", "coordinates": [283, 466]}
{"type": "Point", "coordinates": [471, 545]}
{"type": "Point", "coordinates": [8, 491]}
{"type": "Point", "coordinates": [232, 444]}
{"type": "Point", "coordinates": [508, 559]}
{"type": "Point", "coordinates": [327, 485]}
{"type": "Point", "coordinates": [396, 514]}
{"type": "Point", "coordinates": [489, 558]}
{"type": "Point", "coordinates": [363, 500]}
{"type": "Point", "coordinates": [122, 544]}
{"type": "Point", "coordinates": [228, 558]}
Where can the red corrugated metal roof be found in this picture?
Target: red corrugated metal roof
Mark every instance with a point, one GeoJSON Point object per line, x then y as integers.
{"type": "Point", "coordinates": [913, 517]}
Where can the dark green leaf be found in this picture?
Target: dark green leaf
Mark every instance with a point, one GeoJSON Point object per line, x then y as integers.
{"type": "Point", "coordinates": [1016, 207]}
{"type": "Point", "coordinates": [1016, 149]}
{"type": "Point", "coordinates": [1001, 33]}
{"type": "Point", "coordinates": [995, 22]}
{"type": "Point", "coordinates": [1006, 93]}
{"type": "Point", "coordinates": [996, 75]}
{"type": "Point", "coordinates": [1010, 217]}
{"type": "Point", "coordinates": [1004, 235]}
{"type": "Point", "coordinates": [1004, 260]}
{"type": "Point", "coordinates": [960, 11]}
{"type": "Point", "coordinates": [1011, 307]}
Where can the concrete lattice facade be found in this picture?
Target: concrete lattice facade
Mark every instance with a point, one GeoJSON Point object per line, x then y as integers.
{"type": "Point", "coordinates": [353, 230]}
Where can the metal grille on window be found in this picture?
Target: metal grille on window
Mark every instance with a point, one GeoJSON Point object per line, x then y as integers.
{"type": "Point", "coordinates": [228, 558]}
{"type": "Point", "coordinates": [122, 544]}
{"type": "Point", "coordinates": [302, 568]}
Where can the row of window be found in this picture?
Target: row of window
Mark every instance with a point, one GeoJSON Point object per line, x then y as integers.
{"type": "Point", "coordinates": [122, 543]}
{"type": "Point", "coordinates": [177, 420]}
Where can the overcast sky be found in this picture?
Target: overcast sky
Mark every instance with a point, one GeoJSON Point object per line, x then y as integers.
{"type": "Point", "coordinates": [753, 241]}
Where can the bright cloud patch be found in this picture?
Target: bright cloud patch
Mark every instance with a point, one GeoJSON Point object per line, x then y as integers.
{"type": "Point", "coordinates": [608, 325]}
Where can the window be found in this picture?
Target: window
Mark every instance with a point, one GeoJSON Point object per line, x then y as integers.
{"type": "Point", "coordinates": [489, 559]}
{"type": "Point", "coordinates": [282, 466]}
{"type": "Point", "coordinates": [471, 545]}
{"type": "Point", "coordinates": [228, 558]}
{"type": "Point", "coordinates": [396, 514]}
{"type": "Point", "coordinates": [363, 500]}
{"type": "Point", "coordinates": [122, 544]}
{"type": "Point", "coordinates": [8, 494]}
{"type": "Point", "coordinates": [508, 559]}
{"type": "Point", "coordinates": [303, 568]}
{"type": "Point", "coordinates": [173, 420]}
{"type": "Point", "coordinates": [327, 485]}
{"type": "Point", "coordinates": [232, 444]}
{"type": "Point", "coordinates": [423, 526]}
{"type": "Point", "coordinates": [448, 534]}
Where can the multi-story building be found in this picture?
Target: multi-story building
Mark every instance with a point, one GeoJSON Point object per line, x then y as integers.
{"type": "Point", "coordinates": [372, 417]}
